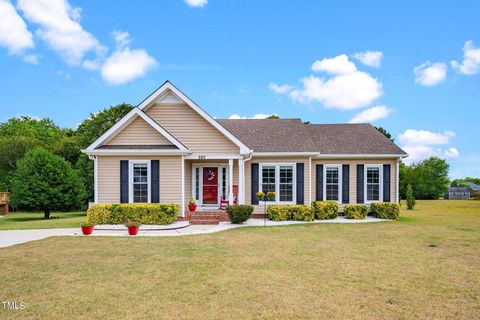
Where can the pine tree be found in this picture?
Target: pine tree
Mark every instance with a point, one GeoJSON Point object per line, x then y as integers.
{"type": "Point", "coordinates": [410, 198]}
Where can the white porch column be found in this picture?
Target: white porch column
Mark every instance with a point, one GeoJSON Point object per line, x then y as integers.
{"type": "Point", "coordinates": [182, 207]}
{"type": "Point", "coordinates": [230, 181]}
{"type": "Point", "coordinates": [241, 181]}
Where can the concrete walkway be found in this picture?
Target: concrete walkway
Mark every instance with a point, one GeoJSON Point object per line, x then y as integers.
{"type": "Point", "coordinates": [12, 237]}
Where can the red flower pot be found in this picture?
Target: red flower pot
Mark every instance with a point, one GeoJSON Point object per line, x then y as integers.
{"type": "Point", "coordinates": [192, 207]}
{"type": "Point", "coordinates": [86, 230]}
{"type": "Point", "coordinates": [133, 230]}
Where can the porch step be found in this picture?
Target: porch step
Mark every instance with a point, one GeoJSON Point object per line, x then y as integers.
{"type": "Point", "coordinates": [207, 217]}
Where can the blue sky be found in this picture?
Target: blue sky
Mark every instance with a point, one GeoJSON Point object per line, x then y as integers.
{"type": "Point", "coordinates": [385, 62]}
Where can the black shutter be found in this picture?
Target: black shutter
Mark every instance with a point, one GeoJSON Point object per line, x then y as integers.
{"type": "Point", "coordinates": [386, 183]}
{"type": "Point", "coordinates": [123, 181]}
{"type": "Point", "coordinates": [360, 178]}
{"type": "Point", "coordinates": [345, 183]}
{"type": "Point", "coordinates": [155, 183]}
{"type": "Point", "coordinates": [319, 186]}
{"type": "Point", "coordinates": [254, 181]}
{"type": "Point", "coordinates": [300, 185]}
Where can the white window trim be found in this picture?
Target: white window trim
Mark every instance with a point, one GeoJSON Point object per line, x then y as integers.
{"type": "Point", "coordinates": [340, 181]}
{"type": "Point", "coordinates": [380, 192]}
{"type": "Point", "coordinates": [277, 181]}
{"type": "Point", "coordinates": [130, 179]}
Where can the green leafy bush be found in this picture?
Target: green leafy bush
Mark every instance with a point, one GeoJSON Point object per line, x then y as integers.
{"type": "Point", "coordinates": [410, 198]}
{"type": "Point", "coordinates": [278, 213]}
{"type": "Point", "coordinates": [386, 210]}
{"type": "Point", "coordinates": [145, 213]}
{"type": "Point", "coordinates": [240, 213]}
{"type": "Point", "coordinates": [355, 211]}
{"type": "Point", "coordinates": [287, 212]}
{"type": "Point", "coordinates": [325, 209]}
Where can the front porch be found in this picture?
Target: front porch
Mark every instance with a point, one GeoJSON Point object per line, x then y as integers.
{"type": "Point", "coordinates": [214, 182]}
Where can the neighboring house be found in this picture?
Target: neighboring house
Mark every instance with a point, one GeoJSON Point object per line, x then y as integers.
{"type": "Point", "coordinates": [457, 193]}
{"type": "Point", "coordinates": [471, 185]}
{"type": "Point", "coordinates": [168, 150]}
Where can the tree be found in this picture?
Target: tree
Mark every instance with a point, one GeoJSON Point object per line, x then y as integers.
{"type": "Point", "coordinates": [410, 198]}
{"type": "Point", "coordinates": [429, 178]}
{"type": "Point", "coordinates": [46, 182]}
{"type": "Point", "coordinates": [273, 116]}
{"type": "Point", "coordinates": [385, 133]}
{"type": "Point", "coordinates": [21, 134]}
{"type": "Point", "coordinates": [84, 168]}
{"type": "Point", "coordinates": [98, 123]}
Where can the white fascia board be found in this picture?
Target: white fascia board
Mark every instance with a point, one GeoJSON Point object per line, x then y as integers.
{"type": "Point", "coordinates": [125, 121]}
{"type": "Point", "coordinates": [360, 156]}
{"type": "Point", "coordinates": [169, 86]}
{"type": "Point", "coordinates": [285, 154]}
{"type": "Point", "coordinates": [136, 152]}
{"type": "Point", "coordinates": [213, 156]}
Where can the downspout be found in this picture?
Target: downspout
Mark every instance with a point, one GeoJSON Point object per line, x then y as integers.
{"type": "Point", "coordinates": [250, 156]}
{"type": "Point", "coordinates": [398, 181]}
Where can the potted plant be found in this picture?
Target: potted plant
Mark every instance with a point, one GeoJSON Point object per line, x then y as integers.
{"type": "Point", "coordinates": [87, 228]}
{"type": "Point", "coordinates": [192, 206]}
{"type": "Point", "coordinates": [133, 227]}
{"type": "Point", "coordinates": [261, 196]}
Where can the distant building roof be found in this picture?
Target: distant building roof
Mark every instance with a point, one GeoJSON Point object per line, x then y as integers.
{"type": "Point", "coordinates": [472, 185]}
{"type": "Point", "coordinates": [458, 189]}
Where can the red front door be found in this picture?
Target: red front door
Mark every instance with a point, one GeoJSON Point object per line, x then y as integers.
{"type": "Point", "coordinates": [210, 185]}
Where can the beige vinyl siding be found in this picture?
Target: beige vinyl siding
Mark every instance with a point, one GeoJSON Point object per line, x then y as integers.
{"type": "Point", "coordinates": [248, 177]}
{"type": "Point", "coordinates": [109, 178]}
{"type": "Point", "coordinates": [353, 175]}
{"type": "Point", "coordinates": [139, 132]}
{"type": "Point", "coordinates": [191, 129]}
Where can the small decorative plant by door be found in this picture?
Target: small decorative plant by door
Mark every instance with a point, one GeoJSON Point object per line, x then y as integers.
{"type": "Point", "coordinates": [192, 206]}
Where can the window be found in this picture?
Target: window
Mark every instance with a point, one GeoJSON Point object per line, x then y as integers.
{"type": "Point", "coordinates": [197, 184]}
{"type": "Point", "coordinates": [332, 184]}
{"type": "Point", "coordinates": [140, 181]}
{"type": "Point", "coordinates": [286, 184]}
{"type": "Point", "coordinates": [373, 183]}
{"type": "Point", "coordinates": [279, 178]}
{"type": "Point", "coordinates": [224, 183]}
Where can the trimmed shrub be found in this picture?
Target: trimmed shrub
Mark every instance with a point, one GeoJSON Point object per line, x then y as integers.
{"type": "Point", "coordinates": [301, 212]}
{"type": "Point", "coordinates": [325, 209]}
{"type": "Point", "coordinates": [355, 211]}
{"type": "Point", "coordinates": [410, 198]}
{"type": "Point", "coordinates": [287, 212]}
{"type": "Point", "coordinates": [278, 213]}
{"type": "Point", "coordinates": [386, 210]}
{"type": "Point", "coordinates": [240, 213]}
{"type": "Point", "coordinates": [145, 213]}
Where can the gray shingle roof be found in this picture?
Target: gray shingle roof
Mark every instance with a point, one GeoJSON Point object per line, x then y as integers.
{"type": "Point", "coordinates": [291, 135]}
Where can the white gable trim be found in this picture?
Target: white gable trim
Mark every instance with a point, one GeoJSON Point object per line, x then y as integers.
{"type": "Point", "coordinates": [153, 98]}
{"type": "Point", "coordinates": [124, 122]}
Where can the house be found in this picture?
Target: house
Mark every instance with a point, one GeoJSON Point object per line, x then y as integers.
{"type": "Point", "coordinates": [472, 186]}
{"type": "Point", "coordinates": [457, 193]}
{"type": "Point", "coordinates": [168, 150]}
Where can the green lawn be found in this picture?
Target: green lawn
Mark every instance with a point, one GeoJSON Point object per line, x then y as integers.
{"type": "Point", "coordinates": [35, 220]}
{"type": "Point", "coordinates": [424, 266]}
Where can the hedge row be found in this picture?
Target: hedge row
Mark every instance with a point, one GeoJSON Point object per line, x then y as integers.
{"type": "Point", "coordinates": [386, 210]}
{"type": "Point", "coordinates": [325, 209]}
{"type": "Point", "coordinates": [289, 212]}
{"type": "Point", "coordinates": [355, 211]}
{"type": "Point", "coordinates": [240, 213]}
{"type": "Point", "coordinates": [145, 213]}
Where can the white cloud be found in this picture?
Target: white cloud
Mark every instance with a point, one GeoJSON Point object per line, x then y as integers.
{"type": "Point", "coordinates": [31, 58]}
{"type": "Point", "coordinates": [14, 34]}
{"type": "Point", "coordinates": [371, 114]}
{"type": "Point", "coordinates": [369, 58]}
{"type": "Point", "coordinates": [421, 144]}
{"type": "Point", "coordinates": [428, 74]}
{"type": "Point", "coordinates": [337, 65]}
{"type": "Point", "coordinates": [471, 60]}
{"type": "Point", "coordinates": [280, 89]}
{"type": "Point", "coordinates": [344, 92]}
{"type": "Point", "coordinates": [256, 116]}
{"type": "Point", "coordinates": [196, 3]}
{"type": "Point", "coordinates": [60, 28]}
{"type": "Point", "coordinates": [122, 38]}
{"type": "Point", "coordinates": [424, 137]}
{"type": "Point", "coordinates": [126, 65]}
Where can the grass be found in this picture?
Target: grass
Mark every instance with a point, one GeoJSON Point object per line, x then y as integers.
{"type": "Point", "coordinates": [34, 220]}
{"type": "Point", "coordinates": [424, 266]}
